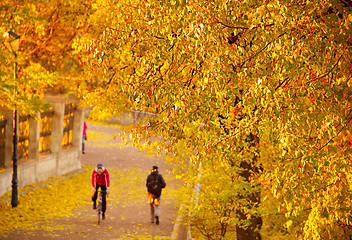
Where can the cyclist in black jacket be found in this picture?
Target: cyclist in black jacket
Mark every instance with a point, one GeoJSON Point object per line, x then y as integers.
{"type": "Point", "coordinates": [155, 183]}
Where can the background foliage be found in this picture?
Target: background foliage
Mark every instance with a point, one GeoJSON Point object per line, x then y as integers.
{"type": "Point", "coordinates": [44, 59]}
{"type": "Point", "coordinates": [216, 72]}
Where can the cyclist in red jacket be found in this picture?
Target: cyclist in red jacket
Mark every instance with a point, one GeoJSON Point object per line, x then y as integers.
{"type": "Point", "coordinates": [100, 179]}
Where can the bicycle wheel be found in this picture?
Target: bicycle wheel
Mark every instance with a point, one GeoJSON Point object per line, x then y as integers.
{"type": "Point", "coordinates": [99, 216]}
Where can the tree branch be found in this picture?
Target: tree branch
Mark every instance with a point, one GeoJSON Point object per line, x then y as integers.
{"type": "Point", "coordinates": [228, 26]}
{"type": "Point", "coordinates": [261, 50]}
{"type": "Point", "coordinates": [280, 84]}
{"type": "Point", "coordinates": [326, 74]}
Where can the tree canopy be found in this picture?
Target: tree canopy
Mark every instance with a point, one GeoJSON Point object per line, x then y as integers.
{"type": "Point", "coordinates": [214, 72]}
{"type": "Point", "coordinates": [218, 74]}
{"type": "Point", "coordinates": [44, 59]}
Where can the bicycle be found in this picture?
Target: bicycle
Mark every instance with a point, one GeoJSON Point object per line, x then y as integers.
{"type": "Point", "coordinates": [100, 205]}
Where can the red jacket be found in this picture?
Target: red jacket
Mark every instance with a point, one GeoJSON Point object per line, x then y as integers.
{"type": "Point", "coordinates": [84, 128]}
{"type": "Point", "coordinates": [101, 179]}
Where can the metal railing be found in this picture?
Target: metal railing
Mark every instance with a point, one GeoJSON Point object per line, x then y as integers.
{"type": "Point", "coordinates": [23, 137]}
{"type": "Point", "coordinates": [70, 110]}
{"type": "Point", "coordinates": [46, 126]}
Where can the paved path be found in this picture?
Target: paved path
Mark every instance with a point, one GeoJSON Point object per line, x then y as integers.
{"type": "Point", "coordinates": [128, 215]}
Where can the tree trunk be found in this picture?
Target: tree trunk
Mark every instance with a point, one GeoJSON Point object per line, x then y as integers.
{"type": "Point", "coordinates": [252, 231]}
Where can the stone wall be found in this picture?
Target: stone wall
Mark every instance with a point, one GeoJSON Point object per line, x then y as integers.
{"type": "Point", "coordinates": [31, 171]}
{"type": "Point", "coordinates": [59, 162]}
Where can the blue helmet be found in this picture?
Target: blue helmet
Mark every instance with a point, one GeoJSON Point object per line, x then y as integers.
{"type": "Point", "coordinates": [100, 165]}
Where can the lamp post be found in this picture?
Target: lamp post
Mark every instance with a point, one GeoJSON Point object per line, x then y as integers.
{"type": "Point", "coordinates": [14, 46]}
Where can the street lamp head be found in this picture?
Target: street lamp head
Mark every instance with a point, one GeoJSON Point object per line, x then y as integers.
{"type": "Point", "coordinates": [14, 35]}
{"type": "Point", "coordinates": [14, 40]}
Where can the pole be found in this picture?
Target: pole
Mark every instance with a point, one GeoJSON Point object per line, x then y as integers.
{"type": "Point", "coordinates": [14, 198]}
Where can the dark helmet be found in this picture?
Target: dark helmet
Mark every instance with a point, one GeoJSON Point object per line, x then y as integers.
{"type": "Point", "coordinates": [100, 165]}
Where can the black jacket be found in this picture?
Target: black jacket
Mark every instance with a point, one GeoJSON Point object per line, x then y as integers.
{"type": "Point", "coordinates": [159, 177]}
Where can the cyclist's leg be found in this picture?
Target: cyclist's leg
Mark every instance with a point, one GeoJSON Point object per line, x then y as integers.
{"type": "Point", "coordinates": [103, 189]}
{"type": "Point", "coordinates": [95, 195]}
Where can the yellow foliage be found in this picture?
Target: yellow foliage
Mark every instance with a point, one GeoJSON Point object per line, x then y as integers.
{"type": "Point", "coordinates": [53, 201]}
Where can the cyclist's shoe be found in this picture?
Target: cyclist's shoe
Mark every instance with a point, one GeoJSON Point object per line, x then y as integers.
{"type": "Point", "coordinates": [103, 217]}
{"type": "Point", "coordinates": [94, 206]}
{"type": "Point", "coordinates": [157, 220]}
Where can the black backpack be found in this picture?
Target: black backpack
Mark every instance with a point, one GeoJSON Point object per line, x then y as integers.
{"type": "Point", "coordinates": [154, 185]}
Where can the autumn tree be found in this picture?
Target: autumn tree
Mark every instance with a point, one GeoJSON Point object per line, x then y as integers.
{"type": "Point", "coordinates": [44, 60]}
{"type": "Point", "coordinates": [236, 86]}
